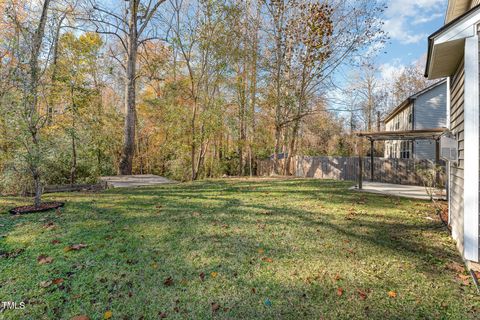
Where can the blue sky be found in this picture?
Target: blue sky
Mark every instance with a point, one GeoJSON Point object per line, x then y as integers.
{"type": "Point", "coordinates": [409, 23]}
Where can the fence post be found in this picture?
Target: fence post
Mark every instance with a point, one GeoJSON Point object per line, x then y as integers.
{"type": "Point", "coordinates": [360, 172]}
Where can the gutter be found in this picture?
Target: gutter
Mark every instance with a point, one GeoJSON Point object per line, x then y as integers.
{"type": "Point", "coordinates": [436, 33]}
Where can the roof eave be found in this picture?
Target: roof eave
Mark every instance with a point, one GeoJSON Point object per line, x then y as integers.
{"type": "Point", "coordinates": [449, 38]}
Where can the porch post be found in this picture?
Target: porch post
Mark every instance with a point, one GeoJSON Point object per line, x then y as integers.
{"type": "Point", "coordinates": [437, 159]}
{"type": "Point", "coordinates": [360, 171]}
{"type": "Point", "coordinates": [471, 153]}
{"type": "Point", "coordinates": [372, 158]}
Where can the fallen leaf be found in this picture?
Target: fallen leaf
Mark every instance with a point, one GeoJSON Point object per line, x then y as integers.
{"type": "Point", "coordinates": [339, 292]}
{"type": "Point", "coordinates": [57, 281]}
{"type": "Point", "coordinates": [455, 266]}
{"type": "Point", "coordinates": [362, 294]}
{"type": "Point", "coordinates": [162, 315]}
{"type": "Point", "coordinates": [266, 259]}
{"type": "Point", "coordinates": [55, 241]}
{"type": "Point", "coordinates": [168, 281]}
{"type": "Point", "coordinates": [75, 247]}
{"type": "Point", "coordinates": [107, 315]}
{"type": "Point", "coordinates": [214, 274]}
{"type": "Point", "coordinates": [392, 294]}
{"type": "Point", "coordinates": [261, 251]}
{"type": "Point", "coordinates": [464, 278]}
{"type": "Point", "coordinates": [337, 277]}
{"type": "Point", "coordinates": [49, 225]}
{"type": "Point", "coordinates": [215, 307]}
{"type": "Point", "coordinates": [254, 291]}
{"type": "Point", "coordinates": [43, 259]}
{"type": "Point", "coordinates": [46, 284]}
{"type": "Point", "coordinates": [202, 276]}
{"type": "Point", "coordinates": [80, 318]}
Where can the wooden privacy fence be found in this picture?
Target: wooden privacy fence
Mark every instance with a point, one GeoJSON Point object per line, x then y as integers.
{"type": "Point", "coordinates": [398, 171]}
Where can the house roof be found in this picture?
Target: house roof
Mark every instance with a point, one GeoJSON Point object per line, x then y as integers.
{"type": "Point", "coordinates": [426, 134]}
{"type": "Point", "coordinates": [411, 99]}
{"type": "Point", "coordinates": [446, 45]}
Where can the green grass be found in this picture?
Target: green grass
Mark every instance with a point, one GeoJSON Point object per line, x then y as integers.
{"type": "Point", "coordinates": [293, 243]}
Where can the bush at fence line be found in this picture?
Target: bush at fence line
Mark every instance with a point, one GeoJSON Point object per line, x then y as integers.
{"type": "Point", "coordinates": [430, 176]}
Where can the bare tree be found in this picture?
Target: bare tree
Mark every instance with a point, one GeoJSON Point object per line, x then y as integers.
{"type": "Point", "coordinates": [129, 23]}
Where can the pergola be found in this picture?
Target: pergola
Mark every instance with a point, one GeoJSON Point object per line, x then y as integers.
{"type": "Point", "coordinates": [409, 135]}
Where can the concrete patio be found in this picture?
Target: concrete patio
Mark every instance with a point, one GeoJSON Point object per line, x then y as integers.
{"type": "Point", "coordinates": [406, 191]}
{"type": "Point", "coordinates": [135, 181]}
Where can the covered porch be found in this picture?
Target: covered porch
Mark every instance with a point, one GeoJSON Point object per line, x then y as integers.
{"type": "Point", "coordinates": [400, 190]}
{"type": "Point", "coordinates": [410, 135]}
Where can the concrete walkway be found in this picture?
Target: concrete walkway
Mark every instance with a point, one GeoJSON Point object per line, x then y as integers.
{"type": "Point", "coordinates": [135, 181]}
{"type": "Point", "coordinates": [406, 191]}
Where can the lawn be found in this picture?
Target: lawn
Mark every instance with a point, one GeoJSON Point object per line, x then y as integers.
{"type": "Point", "coordinates": [233, 249]}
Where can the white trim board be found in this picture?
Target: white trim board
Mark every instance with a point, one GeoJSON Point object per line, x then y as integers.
{"type": "Point", "coordinates": [472, 150]}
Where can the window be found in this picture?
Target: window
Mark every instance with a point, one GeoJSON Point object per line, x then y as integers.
{"type": "Point", "coordinates": [410, 117]}
{"type": "Point", "coordinates": [406, 149]}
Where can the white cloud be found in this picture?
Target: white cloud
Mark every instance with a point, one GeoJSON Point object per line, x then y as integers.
{"type": "Point", "coordinates": [389, 71]}
{"type": "Point", "coordinates": [401, 15]}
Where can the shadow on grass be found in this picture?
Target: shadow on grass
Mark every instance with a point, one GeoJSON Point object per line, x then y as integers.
{"type": "Point", "coordinates": [228, 231]}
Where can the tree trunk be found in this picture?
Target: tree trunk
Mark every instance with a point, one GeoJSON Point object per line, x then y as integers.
{"type": "Point", "coordinates": [126, 160]}
{"type": "Point", "coordinates": [276, 163]}
{"type": "Point", "coordinates": [193, 137]}
{"type": "Point", "coordinates": [32, 100]}
{"type": "Point", "coordinates": [292, 146]}
{"type": "Point", "coordinates": [73, 170]}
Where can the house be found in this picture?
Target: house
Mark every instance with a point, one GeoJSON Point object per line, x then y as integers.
{"type": "Point", "coordinates": [453, 52]}
{"type": "Point", "coordinates": [424, 110]}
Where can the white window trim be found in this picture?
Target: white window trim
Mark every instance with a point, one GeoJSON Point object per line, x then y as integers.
{"type": "Point", "coordinates": [472, 150]}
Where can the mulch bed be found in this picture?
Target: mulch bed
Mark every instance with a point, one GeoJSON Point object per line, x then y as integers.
{"type": "Point", "coordinates": [45, 206]}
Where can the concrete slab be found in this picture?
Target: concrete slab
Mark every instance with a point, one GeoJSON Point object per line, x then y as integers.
{"type": "Point", "coordinates": [406, 191]}
{"type": "Point", "coordinates": [135, 181]}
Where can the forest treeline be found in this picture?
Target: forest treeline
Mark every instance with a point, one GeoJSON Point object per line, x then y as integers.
{"type": "Point", "coordinates": [182, 88]}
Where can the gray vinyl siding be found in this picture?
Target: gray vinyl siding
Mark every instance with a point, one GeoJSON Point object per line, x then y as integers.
{"type": "Point", "coordinates": [429, 112]}
{"type": "Point", "coordinates": [456, 170]}
{"type": "Point", "coordinates": [424, 150]}
{"type": "Point", "coordinates": [430, 108]}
